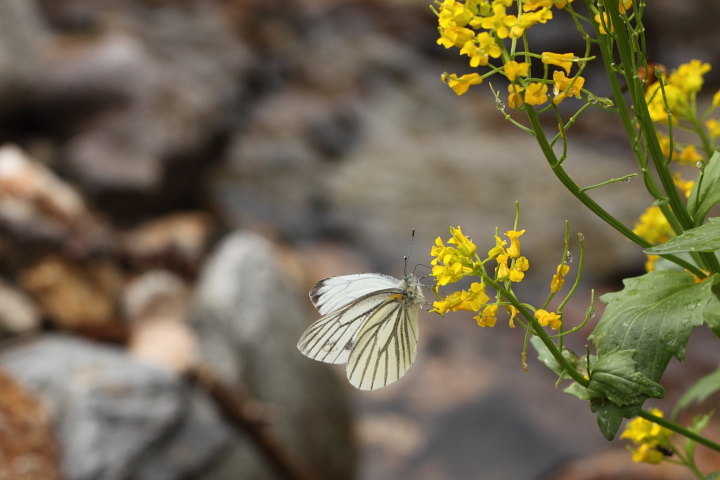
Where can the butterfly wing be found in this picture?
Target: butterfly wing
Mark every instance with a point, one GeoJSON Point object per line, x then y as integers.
{"type": "Point", "coordinates": [385, 347]}
{"type": "Point", "coordinates": [333, 293]}
{"type": "Point", "coordinates": [332, 338]}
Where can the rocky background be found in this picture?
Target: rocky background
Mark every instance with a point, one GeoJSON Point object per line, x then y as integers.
{"type": "Point", "coordinates": [176, 174]}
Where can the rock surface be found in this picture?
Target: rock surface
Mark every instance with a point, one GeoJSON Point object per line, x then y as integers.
{"type": "Point", "coordinates": [116, 417]}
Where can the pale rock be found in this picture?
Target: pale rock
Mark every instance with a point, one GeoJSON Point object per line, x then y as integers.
{"type": "Point", "coordinates": [19, 313]}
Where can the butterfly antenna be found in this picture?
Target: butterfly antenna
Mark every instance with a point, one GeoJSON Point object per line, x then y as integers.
{"type": "Point", "coordinates": [422, 265]}
{"type": "Point", "coordinates": [412, 237]}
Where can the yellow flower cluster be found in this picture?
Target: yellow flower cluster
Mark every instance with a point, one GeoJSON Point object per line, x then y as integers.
{"type": "Point", "coordinates": [478, 28]}
{"type": "Point", "coordinates": [459, 258]}
{"type": "Point", "coordinates": [651, 438]}
{"type": "Point", "coordinates": [678, 91]}
{"type": "Point", "coordinates": [653, 226]}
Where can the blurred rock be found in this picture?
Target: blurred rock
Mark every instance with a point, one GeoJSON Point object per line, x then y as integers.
{"type": "Point", "coordinates": [165, 342]}
{"type": "Point", "coordinates": [28, 449]}
{"type": "Point", "coordinates": [33, 198]}
{"type": "Point", "coordinates": [21, 37]}
{"type": "Point", "coordinates": [27, 180]}
{"type": "Point", "coordinates": [75, 296]}
{"type": "Point", "coordinates": [155, 293]}
{"type": "Point", "coordinates": [117, 417]}
{"type": "Point", "coordinates": [169, 96]}
{"type": "Point", "coordinates": [155, 303]}
{"type": "Point", "coordinates": [249, 319]}
{"type": "Point", "coordinates": [177, 240]}
{"type": "Point", "coordinates": [19, 313]}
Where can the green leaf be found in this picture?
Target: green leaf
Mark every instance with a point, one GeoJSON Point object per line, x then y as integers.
{"type": "Point", "coordinates": [699, 423]}
{"type": "Point", "coordinates": [654, 315]}
{"type": "Point", "coordinates": [609, 417]}
{"type": "Point", "coordinates": [701, 390]}
{"type": "Point", "coordinates": [706, 191]}
{"type": "Point", "coordinates": [547, 358]}
{"type": "Point", "coordinates": [577, 390]}
{"type": "Point", "coordinates": [712, 476]}
{"type": "Point", "coordinates": [711, 314]}
{"type": "Point", "coordinates": [705, 238]}
{"type": "Point", "coordinates": [616, 378]}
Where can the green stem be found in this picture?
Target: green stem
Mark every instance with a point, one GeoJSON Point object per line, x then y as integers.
{"type": "Point", "coordinates": [678, 429]}
{"type": "Point", "coordinates": [540, 332]}
{"type": "Point", "coordinates": [589, 202]}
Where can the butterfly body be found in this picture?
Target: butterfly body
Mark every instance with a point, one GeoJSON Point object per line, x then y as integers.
{"type": "Point", "coordinates": [369, 321]}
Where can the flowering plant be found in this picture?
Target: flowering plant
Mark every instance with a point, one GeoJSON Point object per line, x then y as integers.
{"type": "Point", "coordinates": [651, 319]}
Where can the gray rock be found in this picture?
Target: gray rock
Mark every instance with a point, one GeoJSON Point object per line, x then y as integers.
{"type": "Point", "coordinates": [249, 319]}
{"type": "Point", "coordinates": [21, 37]}
{"type": "Point", "coordinates": [116, 417]}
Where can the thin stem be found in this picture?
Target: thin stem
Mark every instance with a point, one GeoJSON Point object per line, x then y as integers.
{"type": "Point", "coordinates": [589, 202]}
{"type": "Point", "coordinates": [540, 332]}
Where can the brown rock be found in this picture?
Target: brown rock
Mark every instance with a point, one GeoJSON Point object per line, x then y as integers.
{"type": "Point", "coordinates": [177, 239]}
{"type": "Point", "coordinates": [74, 295]}
{"type": "Point", "coordinates": [28, 450]}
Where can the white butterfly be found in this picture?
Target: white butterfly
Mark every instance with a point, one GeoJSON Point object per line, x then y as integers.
{"type": "Point", "coordinates": [369, 322]}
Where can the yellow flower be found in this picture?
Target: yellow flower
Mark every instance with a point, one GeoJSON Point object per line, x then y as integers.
{"type": "Point", "coordinates": [499, 21]}
{"type": "Point", "coordinates": [601, 21]}
{"type": "Point", "coordinates": [514, 69]}
{"type": "Point", "coordinates": [514, 250]}
{"type": "Point", "coordinates": [453, 13]}
{"type": "Point", "coordinates": [624, 5]}
{"type": "Point", "coordinates": [647, 454]}
{"type": "Point", "coordinates": [444, 254]}
{"type": "Point", "coordinates": [503, 270]}
{"type": "Point", "coordinates": [689, 76]}
{"type": "Point", "coordinates": [515, 100]}
{"type": "Point", "coordinates": [546, 318]}
{"type": "Point", "coordinates": [449, 303]}
{"type": "Point", "coordinates": [481, 51]}
{"type": "Point", "coordinates": [566, 87]}
{"type": "Point", "coordinates": [474, 299]}
{"type": "Point", "coordinates": [676, 100]}
{"type": "Point", "coordinates": [641, 431]}
{"type": "Point", "coordinates": [650, 263]}
{"type": "Point", "coordinates": [562, 60]}
{"type": "Point", "coordinates": [716, 99]}
{"type": "Point", "coordinates": [527, 20]}
{"type": "Point", "coordinates": [520, 266]}
{"type": "Point", "coordinates": [488, 316]}
{"type": "Point", "coordinates": [664, 142]}
{"type": "Point", "coordinates": [454, 36]}
{"type": "Point", "coordinates": [513, 313]}
{"type": "Point", "coordinates": [685, 186]}
{"type": "Point", "coordinates": [536, 94]}
{"type": "Point", "coordinates": [464, 245]}
{"type": "Point", "coordinates": [460, 85]}
{"type": "Point", "coordinates": [498, 248]}
{"type": "Point", "coordinates": [445, 274]}
{"type": "Point", "coordinates": [653, 226]}
{"type": "Point", "coordinates": [530, 5]}
{"type": "Point", "coordinates": [559, 278]}
{"type": "Point", "coordinates": [689, 156]}
{"type": "Point", "coordinates": [713, 127]}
